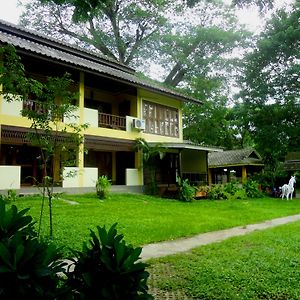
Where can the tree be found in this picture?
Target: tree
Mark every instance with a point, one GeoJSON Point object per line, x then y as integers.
{"type": "Point", "coordinates": [52, 102]}
{"type": "Point", "coordinates": [271, 86]}
{"type": "Point", "coordinates": [201, 48]}
{"type": "Point", "coordinates": [208, 124]}
{"type": "Point", "coordinates": [135, 32]}
{"type": "Point", "coordinates": [118, 29]}
{"type": "Point", "coordinates": [262, 4]}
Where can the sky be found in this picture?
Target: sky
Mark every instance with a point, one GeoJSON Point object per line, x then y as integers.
{"type": "Point", "coordinates": [10, 11]}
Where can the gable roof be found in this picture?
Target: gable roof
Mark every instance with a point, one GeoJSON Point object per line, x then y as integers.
{"type": "Point", "coordinates": [36, 44]}
{"type": "Point", "coordinates": [234, 158]}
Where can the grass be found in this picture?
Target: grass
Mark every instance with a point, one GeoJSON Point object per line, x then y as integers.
{"type": "Point", "coordinates": [145, 219]}
{"type": "Point", "coordinates": [261, 265]}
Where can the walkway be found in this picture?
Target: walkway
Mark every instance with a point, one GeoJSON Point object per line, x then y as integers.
{"type": "Point", "coordinates": [185, 244]}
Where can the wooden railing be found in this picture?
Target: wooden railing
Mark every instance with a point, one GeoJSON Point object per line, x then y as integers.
{"type": "Point", "coordinates": [111, 121]}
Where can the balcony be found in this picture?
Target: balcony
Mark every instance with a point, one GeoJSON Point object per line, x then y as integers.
{"type": "Point", "coordinates": [96, 119]}
{"type": "Point", "coordinates": [111, 121]}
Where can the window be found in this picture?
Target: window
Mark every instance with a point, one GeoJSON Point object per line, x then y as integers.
{"type": "Point", "coordinates": [160, 119]}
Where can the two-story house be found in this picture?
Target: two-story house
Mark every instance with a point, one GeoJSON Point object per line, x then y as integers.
{"type": "Point", "coordinates": [119, 108]}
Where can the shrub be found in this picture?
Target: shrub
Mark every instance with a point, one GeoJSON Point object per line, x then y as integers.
{"type": "Point", "coordinates": [103, 186]}
{"type": "Point", "coordinates": [252, 189]}
{"type": "Point", "coordinates": [108, 269]}
{"type": "Point", "coordinates": [11, 196]}
{"type": "Point", "coordinates": [240, 194]}
{"type": "Point", "coordinates": [231, 187]}
{"type": "Point", "coordinates": [217, 192]}
{"type": "Point", "coordinates": [186, 191]}
{"type": "Point", "coordinates": [28, 267]}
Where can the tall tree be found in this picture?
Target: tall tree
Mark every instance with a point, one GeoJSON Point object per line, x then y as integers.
{"type": "Point", "coordinates": [271, 86]}
{"type": "Point", "coordinates": [118, 29]}
{"type": "Point", "coordinates": [133, 31]}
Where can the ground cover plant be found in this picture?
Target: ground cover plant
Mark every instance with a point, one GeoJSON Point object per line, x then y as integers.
{"type": "Point", "coordinates": [260, 265]}
{"type": "Point", "coordinates": [144, 219]}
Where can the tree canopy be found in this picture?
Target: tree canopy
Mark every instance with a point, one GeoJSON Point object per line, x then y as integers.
{"type": "Point", "coordinates": [138, 32]}
{"type": "Point", "coordinates": [271, 83]}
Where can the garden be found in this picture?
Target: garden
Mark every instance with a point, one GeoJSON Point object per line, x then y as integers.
{"type": "Point", "coordinates": [261, 265]}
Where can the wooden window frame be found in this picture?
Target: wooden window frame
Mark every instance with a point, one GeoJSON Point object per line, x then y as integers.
{"type": "Point", "coordinates": [160, 119]}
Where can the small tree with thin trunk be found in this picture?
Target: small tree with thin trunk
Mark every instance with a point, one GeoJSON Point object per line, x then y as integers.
{"type": "Point", "coordinates": [51, 103]}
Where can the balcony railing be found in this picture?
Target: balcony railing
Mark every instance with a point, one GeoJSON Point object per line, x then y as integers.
{"type": "Point", "coordinates": [111, 121]}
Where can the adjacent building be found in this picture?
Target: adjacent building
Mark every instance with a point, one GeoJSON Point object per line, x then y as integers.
{"type": "Point", "coordinates": [233, 165]}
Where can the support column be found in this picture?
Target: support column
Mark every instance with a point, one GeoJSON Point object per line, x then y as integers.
{"type": "Point", "coordinates": [209, 177]}
{"type": "Point", "coordinates": [114, 167]}
{"type": "Point", "coordinates": [139, 166]}
{"type": "Point", "coordinates": [244, 174]}
{"type": "Point", "coordinates": [80, 161]}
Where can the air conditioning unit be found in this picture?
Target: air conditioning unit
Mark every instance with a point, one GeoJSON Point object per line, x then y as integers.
{"type": "Point", "coordinates": [138, 124]}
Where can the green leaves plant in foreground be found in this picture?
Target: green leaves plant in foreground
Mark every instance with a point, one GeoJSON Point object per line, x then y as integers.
{"type": "Point", "coordinates": [108, 269]}
{"type": "Point", "coordinates": [28, 267]}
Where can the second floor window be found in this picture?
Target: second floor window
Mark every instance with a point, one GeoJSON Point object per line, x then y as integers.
{"type": "Point", "coordinates": [160, 119]}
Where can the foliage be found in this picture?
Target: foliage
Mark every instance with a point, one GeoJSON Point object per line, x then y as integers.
{"type": "Point", "coordinates": [208, 124]}
{"type": "Point", "coordinates": [120, 31]}
{"type": "Point", "coordinates": [231, 190]}
{"type": "Point", "coordinates": [13, 221]}
{"type": "Point", "coordinates": [231, 187]}
{"type": "Point", "coordinates": [135, 33]}
{"type": "Point", "coordinates": [271, 87]}
{"type": "Point", "coordinates": [11, 196]}
{"type": "Point", "coordinates": [103, 186]}
{"type": "Point", "coordinates": [263, 5]}
{"type": "Point", "coordinates": [271, 178]}
{"type": "Point", "coordinates": [217, 192]}
{"type": "Point", "coordinates": [186, 191]}
{"type": "Point", "coordinates": [239, 194]}
{"type": "Point", "coordinates": [108, 269]}
{"type": "Point", "coordinates": [252, 189]}
{"type": "Point", "coordinates": [28, 267]}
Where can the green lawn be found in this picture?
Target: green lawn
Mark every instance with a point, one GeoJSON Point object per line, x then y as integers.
{"type": "Point", "coordinates": [145, 219]}
{"type": "Point", "coordinates": [260, 265]}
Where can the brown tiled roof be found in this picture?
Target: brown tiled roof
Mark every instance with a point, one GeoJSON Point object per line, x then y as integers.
{"type": "Point", "coordinates": [233, 158]}
{"type": "Point", "coordinates": [39, 44]}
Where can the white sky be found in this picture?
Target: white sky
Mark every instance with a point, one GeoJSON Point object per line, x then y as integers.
{"type": "Point", "coordinates": [10, 11]}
